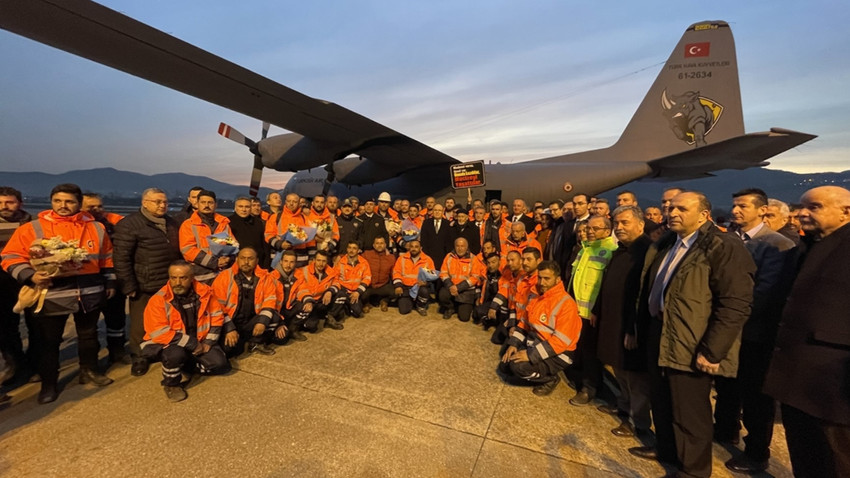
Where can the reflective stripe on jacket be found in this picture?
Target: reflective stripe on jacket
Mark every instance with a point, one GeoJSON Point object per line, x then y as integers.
{"type": "Point", "coordinates": [309, 288]}
{"type": "Point", "coordinates": [278, 225]}
{"type": "Point", "coordinates": [226, 291]}
{"type": "Point", "coordinates": [354, 277]}
{"type": "Point", "coordinates": [552, 328]}
{"type": "Point", "coordinates": [163, 324]}
{"type": "Point", "coordinates": [588, 268]}
{"type": "Point", "coordinates": [196, 248]}
{"type": "Point", "coordinates": [406, 271]}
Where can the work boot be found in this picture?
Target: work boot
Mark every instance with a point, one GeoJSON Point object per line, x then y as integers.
{"type": "Point", "coordinates": [447, 314]}
{"type": "Point", "coordinates": [140, 366]}
{"type": "Point", "coordinates": [88, 375]}
{"type": "Point", "coordinates": [333, 323]}
{"type": "Point", "coordinates": [422, 311]}
{"type": "Point", "coordinates": [384, 305]}
{"type": "Point", "coordinates": [259, 348]}
{"type": "Point", "coordinates": [367, 308]}
{"type": "Point", "coordinates": [546, 388]}
{"type": "Point", "coordinates": [175, 394]}
{"type": "Point", "coordinates": [297, 335]}
{"type": "Point", "coordinates": [581, 399]}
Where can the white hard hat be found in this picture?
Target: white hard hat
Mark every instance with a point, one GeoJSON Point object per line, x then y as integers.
{"type": "Point", "coordinates": [385, 196]}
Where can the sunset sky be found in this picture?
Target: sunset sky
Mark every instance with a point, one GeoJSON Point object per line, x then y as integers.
{"type": "Point", "coordinates": [494, 80]}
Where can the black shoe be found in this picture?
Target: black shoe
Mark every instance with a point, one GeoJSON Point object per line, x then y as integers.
{"type": "Point", "coordinates": [624, 430]}
{"type": "Point", "coordinates": [47, 395]}
{"type": "Point", "coordinates": [581, 399]}
{"type": "Point", "coordinates": [298, 336]}
{"type": "Point", "coordinates": [744, 464]}
{"type": "Point", "coordinates": [422, 311]}
{"type": "Point", "coordinates": [546, 388]}
{"type": "Point", "coordinates": [120, 356]}
{"type": "Point", "coordinates": [140, 367]}
{"type": "Point", "coordinates": [332, 323]}
{"type": "Point", "coordinates": [447, 314]}
{"type": "Point", "coordinates": [88, 375]}
{"type": "Point", "coordinates": [645, 452]}
{"type": "Point", "coordinates": [262, 349]}
{"type": "Point", "coordinates": [175, 394]}
{"type": "Point", "coordinates": [608, 409]}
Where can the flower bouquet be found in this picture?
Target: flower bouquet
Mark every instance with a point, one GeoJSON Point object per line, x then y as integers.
{"type": "Point", "coordinates": [324, 233]}
{"type": "Point", "coordinates": [299, 235]}
{"type": "Point", "coordinates": [425, 275]}
{"type": "Point", "coordinates": [222, 245]}
{"type": "Point", "coordinates": [409, 230]}
{"type": "Point", "coordinates": [56, 257]}
{"type": "Point", "coordinates": [393, 228]}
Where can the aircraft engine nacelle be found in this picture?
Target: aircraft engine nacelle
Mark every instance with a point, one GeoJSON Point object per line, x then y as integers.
{"type": "Point", "coordinates": [294, 152]}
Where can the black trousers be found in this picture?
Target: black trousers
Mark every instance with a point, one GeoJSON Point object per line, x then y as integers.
{"type": "Point", "coordinates": [464, 310]}
{"type": "Point", "coordinates": [137, 322]}
{"type": "Point", "coordinates": [818, 448]}
{"type": "Point", "coordinates": [115, 316]}
{"type": "Point", "coordinates": [176, 359]}
{"type": "Point", "coordinates": [405, 302]}
{"type": "Point", "coordinates": [245, 329]}
{"type": "Point", "coordinates": [539, 372]}
{"type": "Point", "coordinates": [681, 411]}
{"type": "Point", "coordinates": [342, 305]}
{"type": "Point", "coordinates": [48, 334]}
{"type": "Point", "coordinates": [505, 321]}
{"type": "Point", "coordinates": [587, 369]}
{"type": "Point", "coordinates": [373, 295]}
{"type": "Point", "coordinates": [745, 391]}
{"type": "Point", "coordinates": [309, 321]}
{"type": "Point", "coordinates": [11, 345]}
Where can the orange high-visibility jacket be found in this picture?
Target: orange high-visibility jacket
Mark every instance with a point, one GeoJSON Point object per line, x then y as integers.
{"type": "Point", "coordinates": [226, 291]}
{"type": "Point", "coordinates": [508, 283]}
{"type": "Point", "coordinates": [354, 277]}
{"type": "Point", "coordinates": [164, 326]}
{"type": "Point", "coordinates": [552, 328]}
{"type": "Point", "coordinates": [278, 225]}
{"type": "Point", "coordinates": [112, 217]}
{"type": "Point", "coordinates": [526, 291]}
{"type": "Point", "coordinates": [284, 288]}
{"type": "Point", "coordinates": [510, 245]}
{"type": "Point", "coordinates": [85, 288]}
{"type": "Point", "coordinates": [309, 288]}
{"type": "Point", "coordinates": [196, 248]}
{"type": "Point", "coordinates": [406, 270]}
{"type": "Point", "coordinates": [314, 219]}
{"type": "Point", "coordinates": [466, 273]}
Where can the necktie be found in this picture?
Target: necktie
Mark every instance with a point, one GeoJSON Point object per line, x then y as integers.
{"type": "Point", "coordinates": [437, 226]}
{"type": "Point", "coordinates": [657, 291]}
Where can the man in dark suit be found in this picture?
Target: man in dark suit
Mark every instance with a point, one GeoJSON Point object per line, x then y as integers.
{"type": "Point", "coordinates": [581, 212]}
{"type": "Point", "coordinates": [808, 373]}
{"type": "Point", "coordinates": [520, 210]}
{"type": "Point", "coordinates": [436, 235]}
{"type": "Point", "coordinates": [770, 252]}
{"type": "Point", "coordinates": [696, 291]}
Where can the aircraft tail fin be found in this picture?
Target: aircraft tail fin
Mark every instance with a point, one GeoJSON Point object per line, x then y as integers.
{"type": "Point", "coordinates": [694, 101]}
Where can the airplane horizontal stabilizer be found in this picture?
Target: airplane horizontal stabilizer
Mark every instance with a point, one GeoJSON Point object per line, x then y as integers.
{"type": "Point", "coordinates": [740, 152]}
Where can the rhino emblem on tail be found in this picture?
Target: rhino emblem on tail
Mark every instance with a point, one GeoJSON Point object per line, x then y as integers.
{"type": "Point", "coordinates": [690, 115]}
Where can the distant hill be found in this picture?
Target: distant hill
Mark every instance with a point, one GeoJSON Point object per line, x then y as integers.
{"type": "Point", "coordinates": [782, 185]}
{"type": "Point", "coordinates": [113, 183]}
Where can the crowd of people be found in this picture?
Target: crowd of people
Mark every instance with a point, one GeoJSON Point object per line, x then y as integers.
{"type": "Point", "coordinates": [671, 301]}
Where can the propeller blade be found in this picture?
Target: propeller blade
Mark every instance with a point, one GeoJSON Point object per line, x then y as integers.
{"type": "Point", "coordinates": [233, 135]}
{"type": "Point", "coordinates": [266, 127]}
{"type": "Point", "coordinates": [329, 179]}
{"type": "Point", "coordinates": [256, 175]}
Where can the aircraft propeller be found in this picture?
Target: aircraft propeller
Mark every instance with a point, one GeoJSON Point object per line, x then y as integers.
{"type": "Point", "coordinates": [234, 135]}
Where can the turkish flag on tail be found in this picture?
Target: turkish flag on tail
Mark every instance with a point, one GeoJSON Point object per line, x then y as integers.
{"type": "Point", "coordinates": [697, 49]}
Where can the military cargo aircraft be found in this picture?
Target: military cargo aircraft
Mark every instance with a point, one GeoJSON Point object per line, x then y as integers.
{"type": "Point", "coordinates": [689, 124]}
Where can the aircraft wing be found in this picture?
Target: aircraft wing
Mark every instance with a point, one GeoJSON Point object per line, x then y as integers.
{"type": "Point", "coordinates": [100, 34]}
{"type": "Point", "coordinates": [740, 152]}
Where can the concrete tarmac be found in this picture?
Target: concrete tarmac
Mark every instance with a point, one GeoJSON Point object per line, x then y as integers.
{"type": "Point", "coordinates": [388, 396]}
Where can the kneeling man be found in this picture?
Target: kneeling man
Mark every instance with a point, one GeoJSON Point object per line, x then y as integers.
{"type": "Point", "coordinates": [542, 343]}
{"type": "Point", "coordinates": [182, 326]}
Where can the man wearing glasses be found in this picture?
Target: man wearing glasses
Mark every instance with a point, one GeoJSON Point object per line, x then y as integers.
{"type": "Point", "coordinates": [145, 243]}
{"type": "Point", "coordinates": [584, 285]}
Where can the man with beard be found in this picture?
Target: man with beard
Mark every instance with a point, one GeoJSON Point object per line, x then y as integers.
{"type": "Point", "coordinates": [81, 293]}
{"type": "Point", "coordinates": [284, 275]}
{"type": "Point", "coordinates": [327, 229]}
{"type": "Point", "coordinates": [194, 242]}
{"type": "Point", "coordinates": [248, 230]}
{"type": "Point", "coordinates": [381, 264]}
{"type": "Point", "coordinates": [183, 323]}
{"type": "Point", "coordinates": [278, 225]}
{"type": "Point", "coordinates": [190, 207]}
{"type": "Point", "coordinates": [247, 295]}
{"type": "Point", "coordinates": [354, 277]}
{"type": "Point", "coordinates": [332, 204]}
{"type": "Point", "coordinates": [373, 225]}
{"type": "Point", "coordinates": [467, 230]}
{"type": "Point", "coordinates": [503, 307]}
{"type": "Point", "coordinates": [540, 345]}
{"type": "Point", "coordinates": [146, 243]}
{"type": "Point", "coordinates": [406, 275]}
{"type": "Point", "coordinates": [12, 216]}
{"type": "Point", "coordinates": [350, 226]}
{"type": "Point", "coordinates": [315, 287]}
{"type": "Point", "coordinates": [496, 229]}
{"type": "Point", "coordinates": [489, 291]}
